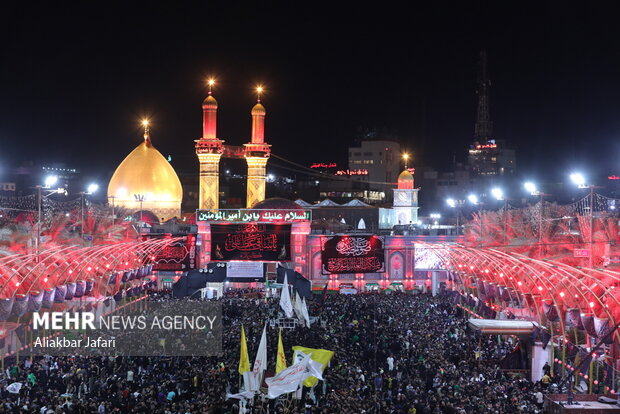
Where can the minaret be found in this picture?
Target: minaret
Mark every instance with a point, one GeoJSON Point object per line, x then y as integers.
{"type": "Point", "coordinates": [209, 150]}
{"type": "Point", "coordinates": [484, 125]}
{"type": "Point", "coordinates": [257, 154]}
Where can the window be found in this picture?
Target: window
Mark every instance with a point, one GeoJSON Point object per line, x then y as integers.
{"type": "Point", "coordinates": [356, 162]}
{"type": "Point", "coordinates": [357, 154]}
{"type": "Point", "coordinates": [368, 154]}
{"type": "Point", "coordinates": [368, 162]}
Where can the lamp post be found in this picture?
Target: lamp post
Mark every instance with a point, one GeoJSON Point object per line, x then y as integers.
{"type": "Point", "coordinates": [435, 219]}
{"type": "Point", "coordinates": [50, 180]}
{"type": "Point", "coordinates": [89, 190]}
{"type": "Point", "coordinates": [140, 198]}
{"type": "Point", "coordinates": [472, 198]}
{"type": "Point", "coordinates": [456, 204]}
{"type": "Point", "coordinates": [499, 195]}
{"type": "Point", "coordinates": [531, 188]}
{"type": "Point", "coordinates": [580, 181]}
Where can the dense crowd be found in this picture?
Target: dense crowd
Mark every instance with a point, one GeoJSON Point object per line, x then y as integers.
{"type": "Point", "coordinates": [398, 353]}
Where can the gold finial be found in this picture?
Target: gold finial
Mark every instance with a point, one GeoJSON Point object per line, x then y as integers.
{"type": "Point", "coordinates": [406, 158]}
{"type": "Point", "coordinates": [259, 91]}
{"type": "Point", "coordinates": [210, 83]}
{"type": "Point", "coordinates": [145, 124]}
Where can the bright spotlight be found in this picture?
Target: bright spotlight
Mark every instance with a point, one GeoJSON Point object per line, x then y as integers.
{"type": "Point", "coordinates": [473, 198]}
{"type": "Point", "coordinates": [145, 122]}
{"type": "Point", "coordinates": [578, 179]}
{"type": "Point", "coordinates": [497, 193]}
{"type": "Point", "coordinates": [92, 188]}
{"type": "Point", "coordinates": [451, 202]}
{"type": "Point", "coordinates": [50, 180]}
{"type": "Point", "coordinates": [530, 187]}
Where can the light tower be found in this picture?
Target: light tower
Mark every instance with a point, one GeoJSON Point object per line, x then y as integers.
{"type": "Point", "coordinates": [257, 154]}
{"type": "Point", "coordinates": [209, 150]}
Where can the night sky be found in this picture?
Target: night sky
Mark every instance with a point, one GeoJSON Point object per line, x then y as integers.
{"type": "Point", "coordinates": [75, 83]}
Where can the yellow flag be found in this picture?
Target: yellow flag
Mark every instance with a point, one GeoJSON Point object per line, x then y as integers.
{"type": "Point", "coordinates": [322, 356]}
{"type": "Point", "coordinates": [244, 359]}
{"type": "Point", "coordinates": [280, 357]}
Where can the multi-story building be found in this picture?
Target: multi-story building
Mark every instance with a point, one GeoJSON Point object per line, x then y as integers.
{"type": "Point", "coordinates": [380, 161]}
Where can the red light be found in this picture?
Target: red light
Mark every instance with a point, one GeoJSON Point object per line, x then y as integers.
{"type": "Point", "coordinates": [70, 271]}
{"type": "Point", "coordinates": [613, 177]}
{"type": "Point", "coordinates": [591, 304]}
{"type": "Point", "coordinates": [17, 283]}
{"type": "Point", "coordinates": [561, 294]}
{"type": "Point", "coordinates": [89, 268]}
{"type": "Point", "coordinates": [45, 280]}
{"type": "Point", "coordinates": [540, 288]}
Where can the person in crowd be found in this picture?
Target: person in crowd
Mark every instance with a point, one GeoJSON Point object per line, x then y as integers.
{"type": "Point", "coordinates": [394, 354]}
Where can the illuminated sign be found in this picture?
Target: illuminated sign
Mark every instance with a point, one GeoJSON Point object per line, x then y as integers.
{"type": "Point", "coordinates": [613, 177]}
{"type": "Point", "coordinates": [351, 172]}
{"type": "Point", "coordinates": [323, 165]}
{"type": "Point", "coordinates": [247, 215]}
{"type": "Point", "coordinates": [486, 146]}
{"type": "Point", "coordinates": [581, 253]}
{"type": "Point", "coordinates": [352, 254]}
{"type": "Point", "coordinates": [179, 255]}
{"type": "Point", "coordinates": [253, 242]}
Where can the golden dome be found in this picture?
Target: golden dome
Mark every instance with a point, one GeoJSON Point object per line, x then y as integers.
{"type": "Point", "coordinates": [405, 180]}
{"type": "Point", "coordinates": [209, 102]}
{"type": "Point", "coordinates": [146, 172]}
{"type": "Point", "coordinates": [258, 109]}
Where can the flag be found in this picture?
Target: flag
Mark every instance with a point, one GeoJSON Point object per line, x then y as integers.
{"type": "Point", "coordinates": [244, 359]}
{"type": "Point", "coordinates": [240, 396]}
{"type": "Point", "coordinates": [304, 309]}
{"type": "Point", "coordinates": [285, 299]}
{"type": "Point", "coordinates": [324, 295]}
{"type": "Point", "coordinates": [297, 308]}
{"type": "Point", "coordinates": [288, 380]}
{"type": "Point", "coordinates": [280, 357]}
{"type": "Point", "coordinates": [260, 363]}
{"type": "Point", "coordinates": [315, 369]}
{"type": "Point", "coordinates": [322, 356]}
{"type": "Point", "coordinates": [14, 388]}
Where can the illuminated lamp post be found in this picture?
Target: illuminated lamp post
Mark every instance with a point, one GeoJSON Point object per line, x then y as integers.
{"type": "Point", "coordinates": [499, 195]}
{"type": "Point", "coordinates": [50, 180]}
{"type": "Point", "coordinates": [531, 188]}
{"type": "Point", "coordinates": [456, 204]}
{"type": "Point", "coordinates": [140, 198]}
{"type": "Point", "coordinates": [92, 188]}
{"type": "Point", "coordinates": [472, 198]}
{"type": "Point", "coordinates": [580, 181]}
{"type": "Point", "coordinates": [435, 219]}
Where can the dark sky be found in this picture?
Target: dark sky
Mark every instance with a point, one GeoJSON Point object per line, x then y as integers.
{"type": "Point", "coordinates": [74, 83]}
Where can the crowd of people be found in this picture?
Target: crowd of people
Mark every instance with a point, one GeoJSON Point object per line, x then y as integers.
{"type": "Point", "coordinates": [399, 353]}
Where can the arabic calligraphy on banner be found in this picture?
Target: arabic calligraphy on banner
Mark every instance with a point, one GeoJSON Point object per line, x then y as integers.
{"type": "Point", "coordinates": [252, 241]}
{"type": "Point", "coordinates": [353, 254]}
{"type": "Point", "coordinates": [250, 215]}
{"type": "Point", "coordinates": [180, 255]}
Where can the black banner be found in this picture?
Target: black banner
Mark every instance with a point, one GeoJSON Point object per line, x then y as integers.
{"type": "Point", "coordinates": [252, 241]}
{"type": "Point", "coordinates": [180, 255]}
{"type": "Point", "coordinates": [353, 254]}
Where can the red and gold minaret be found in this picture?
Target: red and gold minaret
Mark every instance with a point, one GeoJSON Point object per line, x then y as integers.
{"type": "Point", "coordinates": [256, 155]}
{"type": "Point", "coordinates": [209, 150]}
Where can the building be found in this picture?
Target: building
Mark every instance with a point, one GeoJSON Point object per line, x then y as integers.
{"type": "Point", "coordinates": [145, 180]}
{"type": "Point", "coordinates": [379, 160]}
